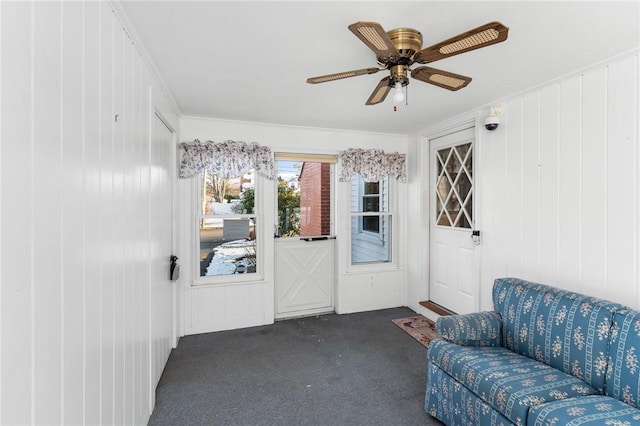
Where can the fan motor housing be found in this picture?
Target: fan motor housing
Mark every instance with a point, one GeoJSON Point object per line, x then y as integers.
{"type": "Point", "coordinates": [399, 75]}
{"type": "Point", "coordinates": [408, 41]}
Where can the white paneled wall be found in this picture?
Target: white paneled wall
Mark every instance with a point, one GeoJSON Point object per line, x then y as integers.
{"type": "Point", "coordinates": [558, 184]}
{"type": "Point", "coordinates": [228, 306]}
{"type": "Point", "coordinates": [82, 253]}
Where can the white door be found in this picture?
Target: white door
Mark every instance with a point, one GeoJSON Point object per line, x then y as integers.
{"type": "Point", "coordinates": [454, 267]}
{"type": "Point", "coordinates": [304, 243]}
{"type": "Point", "coordinates": [160, 227]}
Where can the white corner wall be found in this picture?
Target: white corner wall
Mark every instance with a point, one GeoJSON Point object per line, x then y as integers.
{"type": "Point", "coordinates": [77, 255]}
{"type": "Point", "coordinates": [228, 306]}
{"type": "Point", "coordinates": [558, 185]}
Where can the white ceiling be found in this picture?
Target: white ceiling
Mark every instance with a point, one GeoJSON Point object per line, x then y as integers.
{"type": "Point", "coordinates": [249, 61]}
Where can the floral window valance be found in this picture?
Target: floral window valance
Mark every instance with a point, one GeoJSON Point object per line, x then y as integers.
{"type": "Point", "coordinates": [228, 159]}
{"type": "Point", "coordinates": [372, 164]}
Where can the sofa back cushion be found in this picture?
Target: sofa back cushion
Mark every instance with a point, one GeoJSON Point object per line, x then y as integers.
{"type": "Point", "coordinates": [623, 375]}
{"type": "Point", "coordinates": [566, 330]}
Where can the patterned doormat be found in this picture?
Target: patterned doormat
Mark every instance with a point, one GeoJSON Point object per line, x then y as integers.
{"type": "Point", "coordinates": [420, 328]}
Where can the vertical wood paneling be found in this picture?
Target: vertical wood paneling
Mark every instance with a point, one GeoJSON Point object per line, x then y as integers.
{"type": "Point", "coordinates": [501, 209]}
{"type": "Point", "coordinates": [75, 293]}
{"type": "Point", "coordinates": [636, 192]}
{"type": "Point", "coordinates": [73, 249]}
{"type": "Point", "coordinates": [531, 185]}
{"type": "Point", "coordinates": [119, 227]}
{"type": "Point", "coordinates": [140, 247]}
{"type": "Point", "coordinates": [1, 104]}
{"type": "Point", "coordinates": [129, 232]}
{"type": "Point", "coordinates": [1, 134]}
{"type": "Point", "coordinates": [569, 183]}
{"type": "Point", "coordinates": [485, 189]}
{"type": "Point", "coordinates": [92, 139]}
{"type": "Point", "coordinates": [549, 183]}
{"type": "Point", "coordinates": [594, 182]}
{"type": "Point", "coordinates": [16, 372]}
{"type": "Point", "coordinates": [105, 215]}
{"type": "Point", "coordinates": [146, 366]}
{"type": "Point", "coordinates": [148, 385]}
{"type": "Point", "coordinates": [622, 172]}
{"type": "Point", "coordinates": [225, 307]}
{"type": "Point", "coordinates": [513, 190]}
{"type": "Point", "coordinates": [47, 195]}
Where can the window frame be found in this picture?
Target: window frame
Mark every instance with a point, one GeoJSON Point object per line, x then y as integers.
{"type": "Point", "coordinates": [256, 276]}
{"type": "Point", "coordinates": [372, 237]}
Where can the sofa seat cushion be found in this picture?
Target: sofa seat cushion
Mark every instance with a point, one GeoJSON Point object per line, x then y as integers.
{"type": "Point", "coordinates": [566, 330]}
{"type": "Point", "coordinates": [454, 405]}
{"type": "Point", "coordinates": [508, 382]}
{"type": "Point", "coordinates": [595, 410]}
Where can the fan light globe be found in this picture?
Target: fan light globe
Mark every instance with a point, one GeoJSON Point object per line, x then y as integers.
{"type": "Point", "coordinates": [398, 96]}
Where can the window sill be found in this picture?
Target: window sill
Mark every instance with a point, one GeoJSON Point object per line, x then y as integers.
{"type": "Point", "coordinates": [227, 281]}
{"type": "Point", "coordinates": [372, 267]}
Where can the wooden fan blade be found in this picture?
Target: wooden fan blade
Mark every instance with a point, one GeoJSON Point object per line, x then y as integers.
{"type": "Point", "coordinates": [444, 79]}
{"type": "Point", "coordinates": [376, 38]}
{"type": "Point", "coordinates": [380, 92]}
{"type": "Point", "coordinates": [340, 75]}
{"type": "Point", "coordinates": [485, 35]}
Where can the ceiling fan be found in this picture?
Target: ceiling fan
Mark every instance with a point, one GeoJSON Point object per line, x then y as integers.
{"type": "Point", "coordinates": [398, 49]}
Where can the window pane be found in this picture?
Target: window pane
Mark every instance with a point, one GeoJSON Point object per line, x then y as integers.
{"type": "Point", "coordinates": [304, 199]}
{"type": "Point", "coordinates": [371, 224]}
{"type": "Point", "coordinates": [454, 186]}
{"type": "Point", "coordinates": [369, 247]}
{"type": "Point", "coordinates": [372, 188]}
{"type": "Point", "coordinates": [370, 203]}
{"type": "Point", "coordinates": [226, 196]}
{"type": "Point", "coordinates": [227, 246]}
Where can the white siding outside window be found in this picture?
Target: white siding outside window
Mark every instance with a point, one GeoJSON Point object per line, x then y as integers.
{"type": "Point", "coordinates": [371, 222]}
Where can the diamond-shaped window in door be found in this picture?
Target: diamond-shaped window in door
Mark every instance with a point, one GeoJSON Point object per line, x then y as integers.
{"type": "Point", "coordinates": [454, 186]}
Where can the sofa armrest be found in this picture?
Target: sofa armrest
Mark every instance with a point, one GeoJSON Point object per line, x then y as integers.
{"type": "Point", "coordinates": [476, 329]}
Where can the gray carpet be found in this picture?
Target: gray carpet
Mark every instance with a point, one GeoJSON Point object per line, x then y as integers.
{"type": "Point", "coordinates": [356, 369]}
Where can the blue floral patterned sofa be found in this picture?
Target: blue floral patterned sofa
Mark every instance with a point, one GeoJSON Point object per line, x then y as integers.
{"type": "Point", "coordinates": [543, 356]}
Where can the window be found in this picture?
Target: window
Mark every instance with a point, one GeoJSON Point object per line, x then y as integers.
{"type": "Point", "coordinates": [305, 197]}
{"type": "Point", "coordinates": [227, 227]}
{"type": "Point", "coordinates": [371, 221]}
{"type": "Point", "coordinates": [371, 203]}
{"type": "Point", "coordinates": [454, 186]}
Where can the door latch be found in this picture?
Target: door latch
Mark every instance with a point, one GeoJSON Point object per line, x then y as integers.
{"type": "Point", "coordinates": [314, 238]}
{"type": "Point", "coordinates": [174, 268]}
{"type": "Point", "coordinates": [475, 237]}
